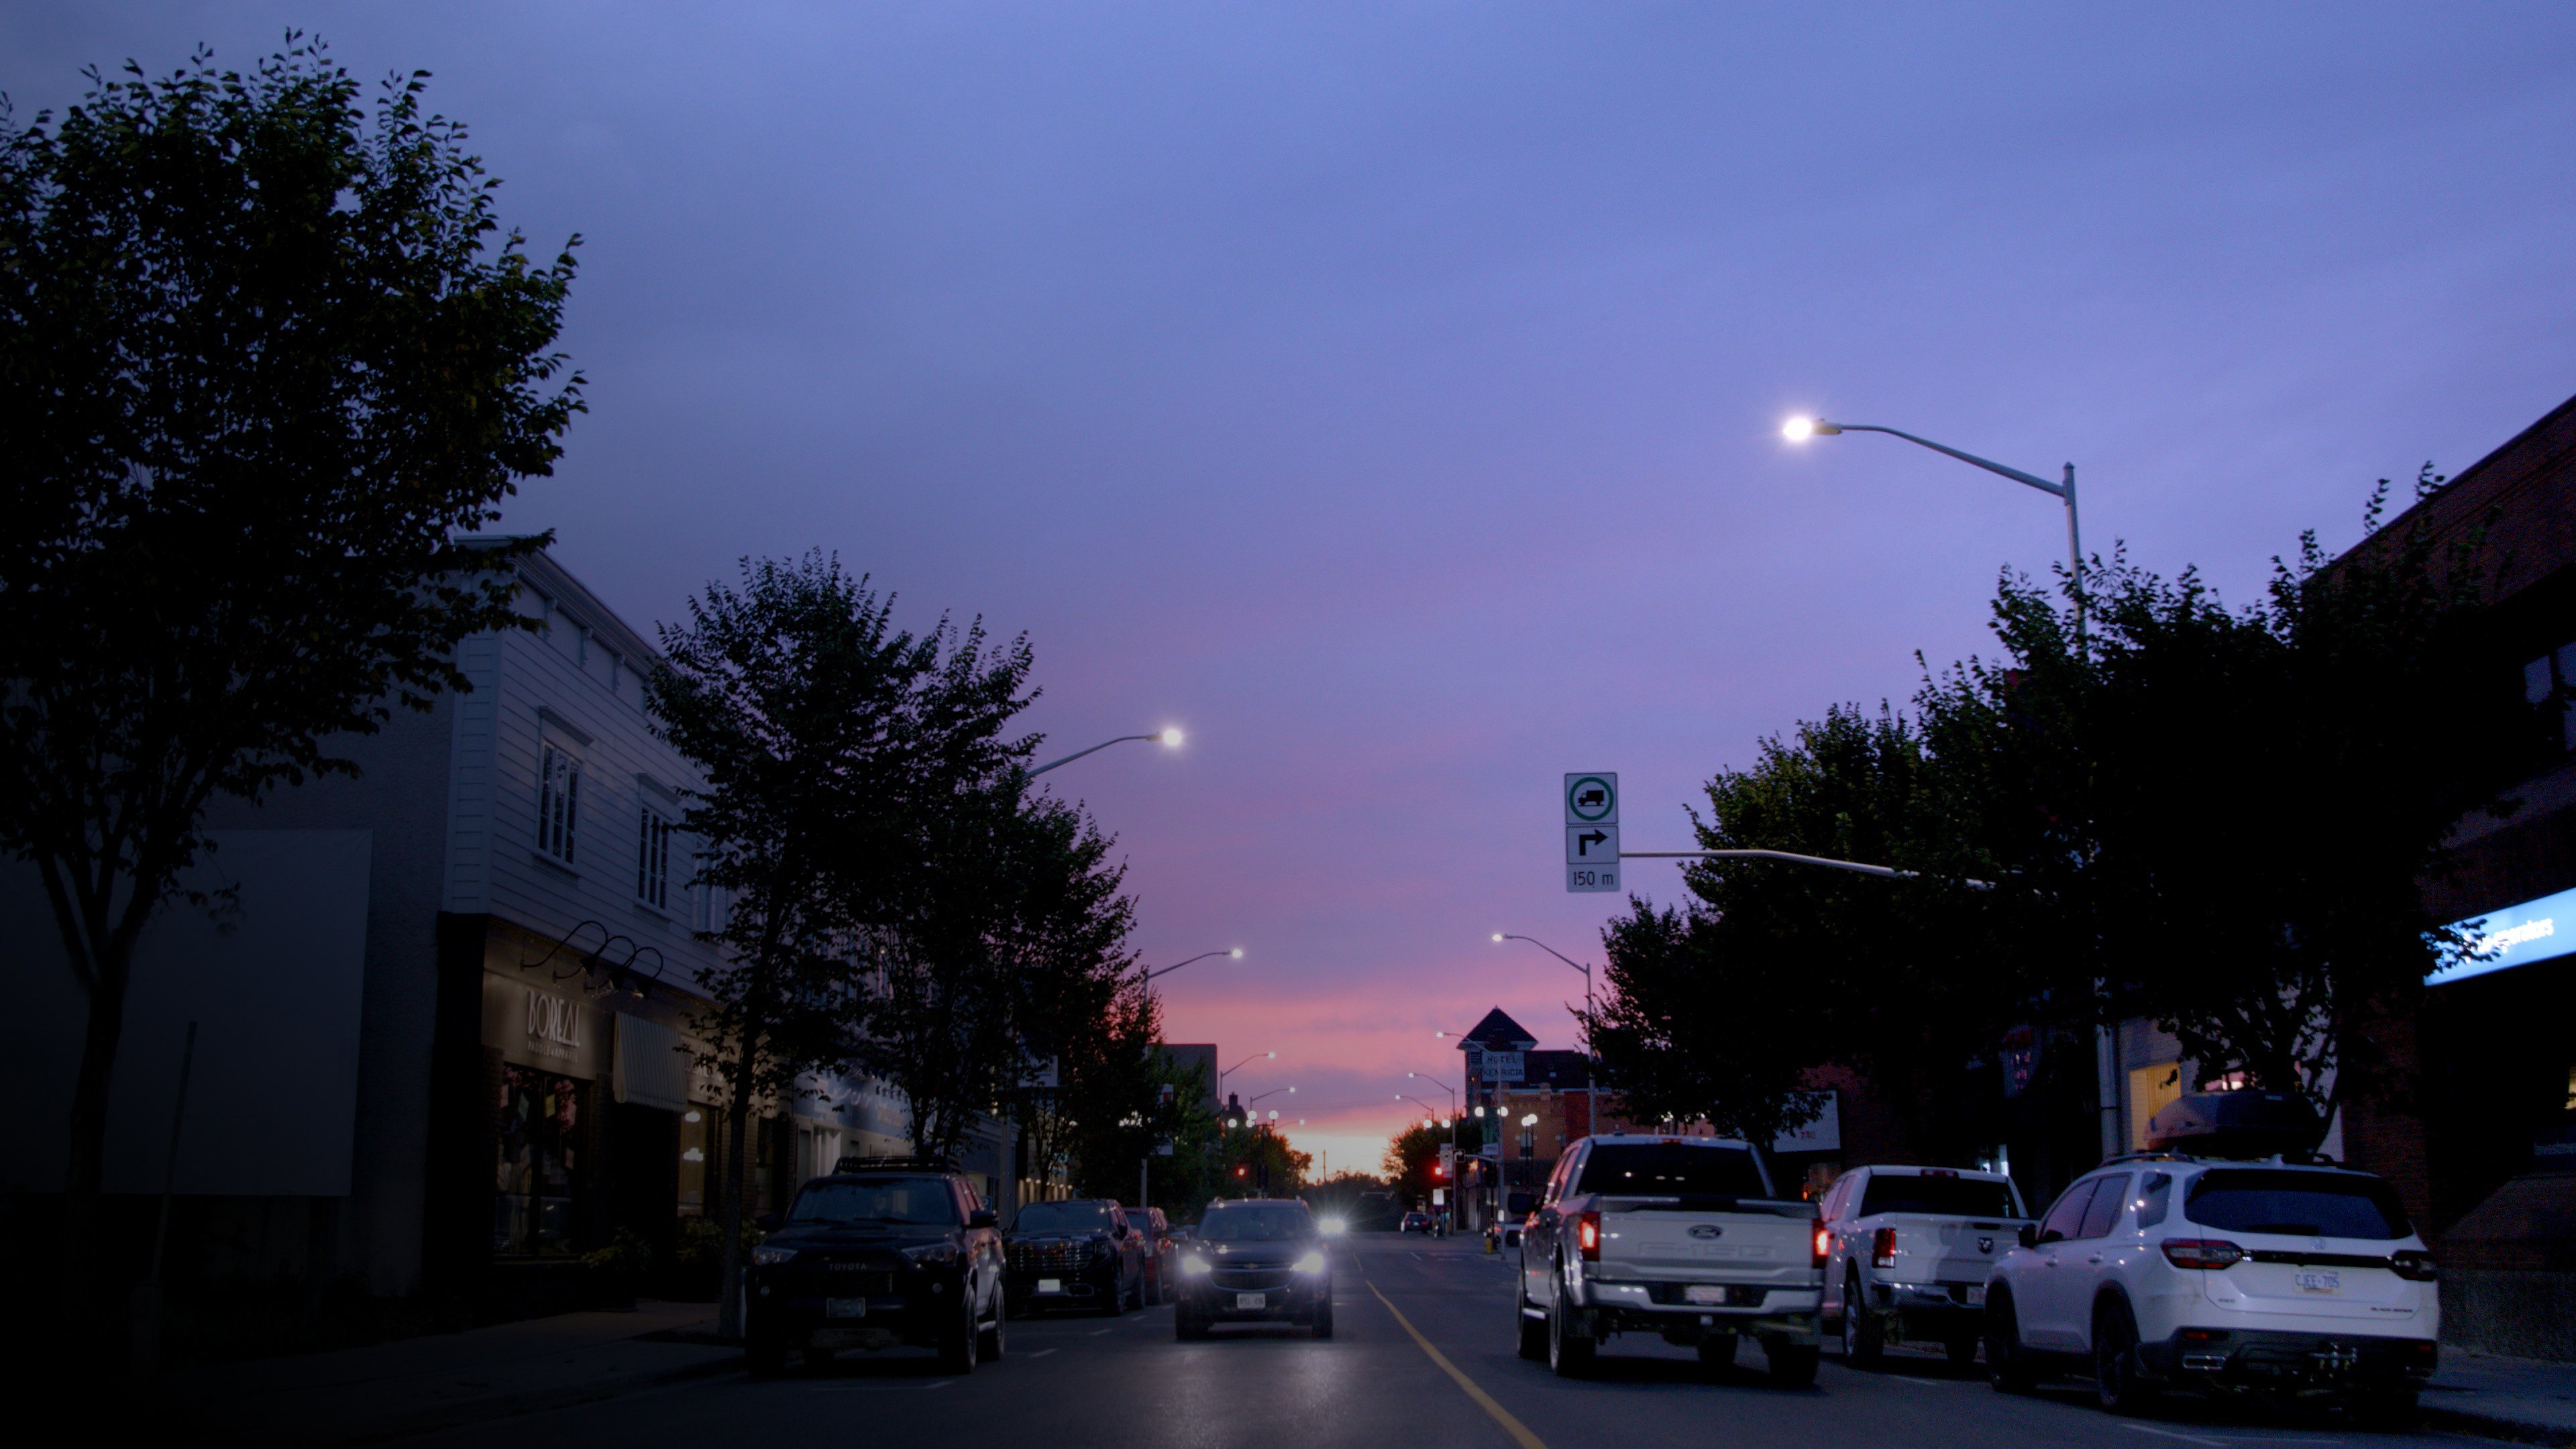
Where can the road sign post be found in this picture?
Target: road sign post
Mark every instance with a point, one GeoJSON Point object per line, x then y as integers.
{"type": "Point", "coordinates": [1592, 831]}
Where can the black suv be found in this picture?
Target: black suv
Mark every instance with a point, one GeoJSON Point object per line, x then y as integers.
{"type": "Point", "coordinates": [880, 1253]}
{"type": "Point", "coordinates": [1079, 1253]}
{"type": "Point", "coordinates": [1252, 1261]}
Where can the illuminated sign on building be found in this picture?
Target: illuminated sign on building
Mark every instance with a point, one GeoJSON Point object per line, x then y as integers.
{"type": "Point", "coordinates": [2514, 936]}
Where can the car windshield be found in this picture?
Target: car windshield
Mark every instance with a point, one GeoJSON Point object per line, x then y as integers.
{"type": "Point", "coordinates": [2301, 1204]}
{"type": "Point", "coordinates": [1671, 1169]}
{"type": "Point", "coordinates": [1140, 1219]}
{"type": "Point", "coordinates": [1063, 1217]}
{"type": "Point", "coordinates": [1957, 1197]}
{"type": "Point", "coordinates": [925, 1200]}
{"type": "Point", "coordinates": [1257, 1222]}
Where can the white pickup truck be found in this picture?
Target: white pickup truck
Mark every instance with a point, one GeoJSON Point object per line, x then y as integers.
{"type": "Point", "coordinates": [1911, 1249]}
{"type": "Point", "coordinates": [1677, 1236]}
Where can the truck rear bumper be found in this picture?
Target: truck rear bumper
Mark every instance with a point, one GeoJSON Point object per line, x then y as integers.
{"type": "Point", "coordinates": [1768, 1312]}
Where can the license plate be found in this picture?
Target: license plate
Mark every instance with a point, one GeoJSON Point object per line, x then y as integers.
{"type": "Point", "coordinates": [845, 1308]}
{"type": "Point", "coordinates": [1050, 1285]}
{"type": "Point", "coordinates": [1704, 1293]}
{"type": "Point", "coordinates": [1976, 1295]}
{"type": "Point", "coordinates": [2313, 1281]}
{"type": "Point", "coordinates": [1251, 1300]}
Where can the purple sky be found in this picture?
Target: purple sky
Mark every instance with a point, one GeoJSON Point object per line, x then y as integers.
{"type": "Point", "coordinates": [1388, 394]}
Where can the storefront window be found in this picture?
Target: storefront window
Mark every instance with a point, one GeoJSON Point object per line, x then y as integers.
{"type": "Point", "coordinates": [532, 1189]}
{"type": "Point", "coordinates": [694, 1138]}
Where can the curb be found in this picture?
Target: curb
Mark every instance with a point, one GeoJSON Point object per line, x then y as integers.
{"type": "Point", "coordinates": [2515, 1431]}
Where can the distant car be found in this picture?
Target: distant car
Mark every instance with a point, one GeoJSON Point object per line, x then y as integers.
{"type": "Point", "coordinates": [1157, 1249]}
{"type": "Point", "coordinates": [874, 1258]}
{"type": "Point", "coordinates": [1078, 1253]}
{"type": "Point", "coordinates": [1415, 1223]}
{"type": "Point", "coordinates": [1255, 1260]}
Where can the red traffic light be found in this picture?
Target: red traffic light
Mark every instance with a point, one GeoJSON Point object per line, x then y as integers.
{"type": "Point", "coordinates": [1240, 1169]}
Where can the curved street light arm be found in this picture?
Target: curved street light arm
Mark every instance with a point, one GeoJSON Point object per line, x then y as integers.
{"type": "Point", "coordinates": [2059, 490]}
{"type": "Point", "coordinates": [1203, 955]}
{"type": "Point", "coordinates": [1884, 872]}
{"type": "Point", "coordinates": [1551, 950]}
{"type": "Point", "coordinates": [1095, 749]}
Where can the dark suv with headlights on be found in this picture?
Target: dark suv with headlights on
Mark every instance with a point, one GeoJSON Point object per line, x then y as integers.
{"type": "Point", "coordinates": [1254, 1261]}
{"type": "Point", "coordinates": [1078, 1253]}
{"type": "Point", "coordinates": [874, 1256]}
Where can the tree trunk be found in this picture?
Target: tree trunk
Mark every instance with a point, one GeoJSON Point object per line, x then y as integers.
{"type": "Point", "coordinates": [85, 1296]}
{"type": "Point", "coordinates": [737, 1119]}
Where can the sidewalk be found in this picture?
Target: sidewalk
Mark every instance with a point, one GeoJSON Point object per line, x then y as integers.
{"type": "Point", "coordinates": [2511, 1398]}
{"type": "Point", "coordinates": [440, 1380]}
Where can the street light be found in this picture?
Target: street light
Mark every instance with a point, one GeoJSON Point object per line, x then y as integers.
{"type": "Point", "coordinates": [1273, 1092]}
{"type": "Point", "coordinates": [1171, 739]}
{"type": "Point", "coordinates": [1247, 1061]}
{"type": "Point", "coordinates": [1798, 430]}
{"type": "Point", "coordinates": [1235, 953]}
{"type": "Point", "coordinates": [1592, 1066]}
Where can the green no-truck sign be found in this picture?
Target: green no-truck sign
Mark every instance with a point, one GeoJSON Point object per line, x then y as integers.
{"type": "Point", "coordinates": [1592, 831]}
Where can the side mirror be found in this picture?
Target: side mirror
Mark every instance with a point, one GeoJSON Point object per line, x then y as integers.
{"type": "Point", "coordinates": [984, 1218]}
{"type": "Point", "coordinates": [2030, 1235]}
{"type": "Point", "coordinates": [766, 1222]}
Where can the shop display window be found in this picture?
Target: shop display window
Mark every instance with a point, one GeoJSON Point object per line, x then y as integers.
{"type": "Point", "coordinates": [538, 1146]}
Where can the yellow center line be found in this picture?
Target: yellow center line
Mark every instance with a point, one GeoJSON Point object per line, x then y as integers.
{"type": "Point", "coordinates": [1519, 1431]}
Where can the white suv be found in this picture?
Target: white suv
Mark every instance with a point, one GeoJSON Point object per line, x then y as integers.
{"type": "Point", "coordinates": [2274, 1276]}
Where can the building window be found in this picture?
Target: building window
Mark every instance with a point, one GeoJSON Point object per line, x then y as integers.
{"type": "Point", "coordinates": [653, 860]}
{"type": "Point", "coordinates": [2547, 684]}
{"type": "Point", "coordinates": [558, 801]}
{"type": "Point", "coordinates": [539, 1149]}
{"type": "Point", "coordinates": [694, 1139]}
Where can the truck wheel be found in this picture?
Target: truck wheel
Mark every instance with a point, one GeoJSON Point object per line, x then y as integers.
{"type": "Point", "coordinates": [1864, 1336]}
{"type": "Point", "coordinates": [2116, 1382]}
{"type": "Point", "coordinates": [1569, 1351]}
{"type": "Point", "coordinates": [1793, 1365]}
{"type": "Point", "coordinates": [1532, 1331]}
{"type": "Point", "coordinates": [988, 1344]}
{"type": "Point", "coordinates": [2006, 1369]}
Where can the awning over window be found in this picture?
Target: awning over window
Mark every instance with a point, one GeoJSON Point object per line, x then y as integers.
{"type": "Point", "coordinates": [652, 1068]}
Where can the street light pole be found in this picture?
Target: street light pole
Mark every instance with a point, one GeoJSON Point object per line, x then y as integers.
{"type": "Point", "coordinates": [1592, 1062]}
{"type": "Point", "coordinates": [1452, 1205]}
{"type": "Point", "coordinates": [1170, 737]}
{"type": "Point", "coordinates": [1798, 430]}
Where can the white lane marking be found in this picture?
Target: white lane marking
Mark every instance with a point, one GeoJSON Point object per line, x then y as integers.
{"type": "Point", "coordinates": [943, 1383]}
{"type": "Point", "coordinates": [1910, 1379]}
{"type": "Point", "coordinates": [1095, 1333]}
{"type": "Point", "coordinates": [2225, 1439]}
{"type": "Point", "coordinates": [1041, 1353]}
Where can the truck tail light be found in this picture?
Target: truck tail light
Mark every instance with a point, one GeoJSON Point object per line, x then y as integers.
{"type": "Point", "coordinates": [1587, 1235]}
{"type": "Point", "coordinates": [2415, 1267]}
{"type": "Point", "coordinates": [2202, 1253]}
{"type": "Point", "coordinates": [1823, 1244]}
{"type": "Point", "coordinates": [1882, 1248]}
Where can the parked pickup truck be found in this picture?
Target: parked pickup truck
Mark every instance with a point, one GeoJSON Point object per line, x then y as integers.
{"type": "Point", "coordinates": [1910, 1250]}
{"type": "Point", "coordinates": [1678, 1236]}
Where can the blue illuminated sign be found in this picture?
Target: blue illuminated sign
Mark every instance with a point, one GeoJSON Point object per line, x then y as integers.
{"type": "Point", "coordinates": [2514, 936]}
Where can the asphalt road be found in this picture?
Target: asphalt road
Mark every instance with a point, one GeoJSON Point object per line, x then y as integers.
{"type": "Point", "coordinates": [1422, 1357]}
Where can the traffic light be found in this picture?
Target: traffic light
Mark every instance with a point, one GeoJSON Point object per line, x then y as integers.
{"type": "Point", "coordinates": [1240, 1169]}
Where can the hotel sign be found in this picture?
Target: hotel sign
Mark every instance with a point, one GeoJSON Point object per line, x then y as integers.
{"type": "Point", "coordinates": [2514, 936]}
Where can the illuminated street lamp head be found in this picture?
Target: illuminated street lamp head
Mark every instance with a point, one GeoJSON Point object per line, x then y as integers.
{"type": "Point", "coordinates": [1236, 953]}
{"type": "Point", "coordinates": [1172, 736]}
{"type": "Point", "coordinates": [1498, 935]}
{"type": "Point", "coordinates": [1799, 430]}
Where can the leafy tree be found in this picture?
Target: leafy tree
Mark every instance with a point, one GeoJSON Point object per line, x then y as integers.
{"type": "Point", "coordinates": [264, 358]}
{"type": "Point", "coordinates": [833, 745]}
{"type": "Point", "coordinates": [1413, 1156]}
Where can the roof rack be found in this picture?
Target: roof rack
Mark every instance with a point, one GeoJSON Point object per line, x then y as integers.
{"type": "Point", "coordinates": [893, 1164]}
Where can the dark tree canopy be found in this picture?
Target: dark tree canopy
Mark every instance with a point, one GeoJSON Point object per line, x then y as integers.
{"type": "Point", "coordinates": [266, 362]}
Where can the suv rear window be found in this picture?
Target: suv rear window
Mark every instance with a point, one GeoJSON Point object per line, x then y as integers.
{"type": "Point", "coordinates": [1955, 1197]}
{"type": "Point", "coordinates": [872, 1199]}
{"type": "Point", "coordinates": [1670, 1169]}
{"type": "Point", "coordinates": [2303, 1204]}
